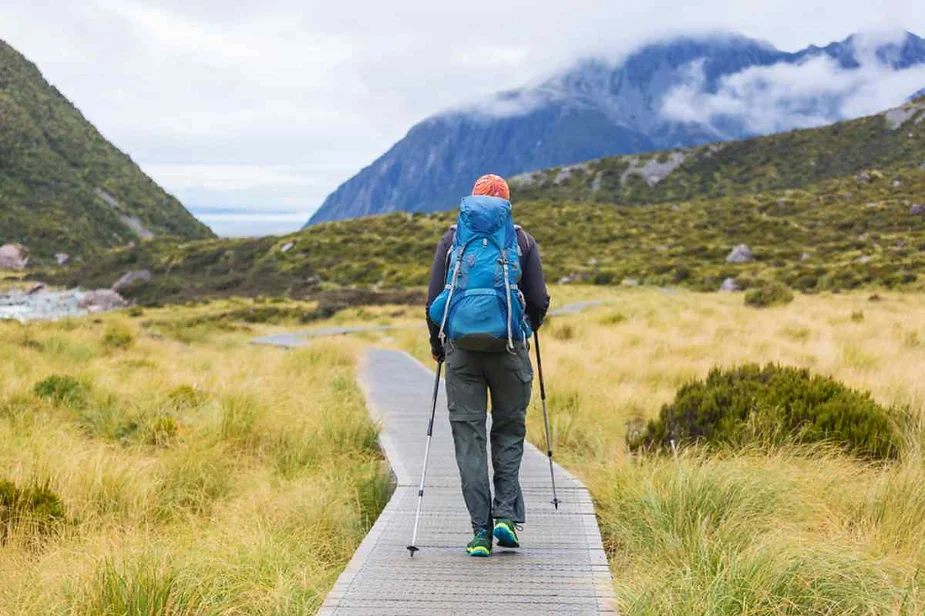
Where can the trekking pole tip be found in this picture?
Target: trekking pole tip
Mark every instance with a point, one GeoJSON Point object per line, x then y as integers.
{"type": "Point", "coordinates": [555, 503]}
{"type": "Point", "coordinates": [412, 550]}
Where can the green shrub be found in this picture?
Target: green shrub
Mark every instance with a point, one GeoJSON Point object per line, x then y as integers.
{"type": "Point", "coordinates": [770, 294]}
{"type": "Point", "coordinates": [36, 507]}
{"type": "Point", "coordinates": [62, 389]}
{"type": "Point", "coordinates": [118, 337]}
{"type": "Point", "coordinates": [773, 404]}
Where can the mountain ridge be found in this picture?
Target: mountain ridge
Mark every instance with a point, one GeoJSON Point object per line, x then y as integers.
{"type": "Point", "coordinates": [64, 188]}
{"type": "Point", "coordinates": [593, 110]}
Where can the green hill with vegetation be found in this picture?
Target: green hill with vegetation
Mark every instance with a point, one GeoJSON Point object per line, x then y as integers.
{"type": "Point", "coordinates": [842, 234]}
{"type": "Point", "coordinates": [63, 187]}
{"type": "Point", "coordinates": [864, 228]}
{"type": "Point", "coordinates": [895, 138]}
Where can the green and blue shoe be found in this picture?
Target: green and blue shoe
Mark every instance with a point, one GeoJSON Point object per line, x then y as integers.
{"type": "Point", "coordinates": [480, 544]}
{"type": "Point", "coordinates": [506, 533]}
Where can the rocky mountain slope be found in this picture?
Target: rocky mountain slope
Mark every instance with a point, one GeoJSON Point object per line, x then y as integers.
{"type": "Point", "coordinates": [653, 100]}
{"type": "Point", "coordinates": [64, 189]}
{"type": "Point", "coordinates": [894, 138]}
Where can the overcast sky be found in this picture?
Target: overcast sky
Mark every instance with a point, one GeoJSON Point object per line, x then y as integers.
{"type": "Point", "coordinates": [252, 112]}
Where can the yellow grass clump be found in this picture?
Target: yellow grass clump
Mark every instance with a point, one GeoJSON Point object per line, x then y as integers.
{"type": "Point", "coordinates": [765, 531]}
{"type": "Point", "coordinates": [206, 477]}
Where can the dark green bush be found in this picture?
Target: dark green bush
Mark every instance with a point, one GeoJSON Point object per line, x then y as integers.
{"type": "Point", "coordinates": [62, 389]}
{"type": "Point", "coordinates": [36, 506]}
{"type": "Point", "coordinates": [770, 294]}
{"type": "Point", "coordinates": [773, 404]}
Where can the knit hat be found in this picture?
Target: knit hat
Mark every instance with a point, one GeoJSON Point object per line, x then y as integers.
{"type": "Point", "coordinates": [492, 186]}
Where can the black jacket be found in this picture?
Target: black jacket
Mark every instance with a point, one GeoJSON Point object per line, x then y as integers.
{"type": "Point", "coordinates": [532, 284]}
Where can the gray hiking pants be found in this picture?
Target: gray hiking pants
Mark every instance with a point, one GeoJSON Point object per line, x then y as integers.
{"type": "Point", "coordinates": [470, 376]}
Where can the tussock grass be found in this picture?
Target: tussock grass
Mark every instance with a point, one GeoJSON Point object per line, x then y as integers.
{"type": "Point", "coordinates": [198, 473]}
{"type": "Point", "coordinates": [771, 530]}
{"type": "Point", "coordinates": [776, 529]}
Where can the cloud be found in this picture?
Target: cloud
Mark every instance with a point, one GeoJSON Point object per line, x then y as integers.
{"type": "Point", "coordinates": [787, 96]}
{"type": "Point", "coordinates": [321, 88]}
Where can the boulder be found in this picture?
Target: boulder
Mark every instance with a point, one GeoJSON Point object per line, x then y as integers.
{"type": "Point", "coordinates": [286, 247]}
{"type": "Point", "coordinates": [131, 280]}
{"type": "Point", "coordinates": [740, 254]}
{"type": "Point", "coordinates": [62, 257]}
{"type": "Point", "coordinates": [13, 257]}
{"type": "Point", "coordinates": [101, 300]}
{"type": "Point", "coordinates": [730, 286]}
{"type": "Point", "coordinates": [917, 209]}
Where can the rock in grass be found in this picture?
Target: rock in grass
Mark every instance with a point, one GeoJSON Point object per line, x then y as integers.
{"type": "Point", "coordinates": [132, 280]}
{"type": "Point", "coordinates": [13, 257]}
{"type": "Point", "coordinates": [917, 209]}
{"type": "Point", "coordinates": [730, 286]}
{"type": "Point", "coordinates": [740, 254]}
{"type": "Point", "coordinates": [101, 300]}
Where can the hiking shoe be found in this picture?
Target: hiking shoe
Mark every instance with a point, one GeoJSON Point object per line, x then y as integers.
{"type": "Point", "coordinates": [506, 533]}
{"type": "Point", "coordinates": [480, 544]}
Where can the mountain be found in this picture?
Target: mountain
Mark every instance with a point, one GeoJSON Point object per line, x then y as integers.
{"type": "Point", "coordinates": [828, 208]}
{"type": "Point", "coordinates": [678, 93]}
{"type": "Point", "coordinates": [892, 139]}
{"type": "Point", "coordinates": [63, 187]}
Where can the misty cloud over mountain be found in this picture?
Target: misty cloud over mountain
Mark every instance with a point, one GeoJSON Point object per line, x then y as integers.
{"type": "Point", "coordinates": [676, 93]}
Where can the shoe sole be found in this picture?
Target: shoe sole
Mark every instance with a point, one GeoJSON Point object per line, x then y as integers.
{"type": "Point", "coordinates": [479, 552]}
{"type": "Point", "coordinates": [506, 539]}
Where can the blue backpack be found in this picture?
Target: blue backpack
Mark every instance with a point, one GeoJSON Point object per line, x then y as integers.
{"type": "Point", "coordinates": [481, 308]}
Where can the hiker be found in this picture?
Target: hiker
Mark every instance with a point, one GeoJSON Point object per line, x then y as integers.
{"type": "Point", "coordinates": [486, 295]}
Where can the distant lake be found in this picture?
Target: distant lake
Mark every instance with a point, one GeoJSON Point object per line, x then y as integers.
{"type": "Point", "coordinates": [251, 224]}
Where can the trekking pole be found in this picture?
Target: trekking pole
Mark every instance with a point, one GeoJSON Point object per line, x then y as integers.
{"type": "Point", "coordinates": [539, 368]}
{"type": "Point", "coordinates": [430, 433]}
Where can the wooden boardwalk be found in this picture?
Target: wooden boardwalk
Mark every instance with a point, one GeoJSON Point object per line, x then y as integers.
{"type": "Point", "coordinates": [561, 569]}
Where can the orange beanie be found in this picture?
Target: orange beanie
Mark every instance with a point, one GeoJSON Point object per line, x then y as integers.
{"type": "Point", "coordinates": [492, 186]}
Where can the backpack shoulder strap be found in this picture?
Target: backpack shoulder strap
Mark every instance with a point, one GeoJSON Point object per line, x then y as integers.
{"type": "Point", "coordinates": [524, 241]}
{"type": "Point", "coordinates": [449, 252]}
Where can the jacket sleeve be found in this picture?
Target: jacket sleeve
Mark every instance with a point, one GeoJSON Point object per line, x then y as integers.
{"type": "Point", "coordinates": [435, 286]}
{"type": "Point", "coordinates": [533, 284]}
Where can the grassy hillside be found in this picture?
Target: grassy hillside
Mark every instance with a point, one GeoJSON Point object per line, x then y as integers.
{"type": "Point", "coordinates": [837, 235]}
{"type": "Point", "coordinates": [784, 161]}
{"type": "Point", "coordinates": [63, 187]}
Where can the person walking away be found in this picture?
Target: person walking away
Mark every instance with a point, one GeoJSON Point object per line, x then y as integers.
{"type": "Point", "coordinates": [486, 296]}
